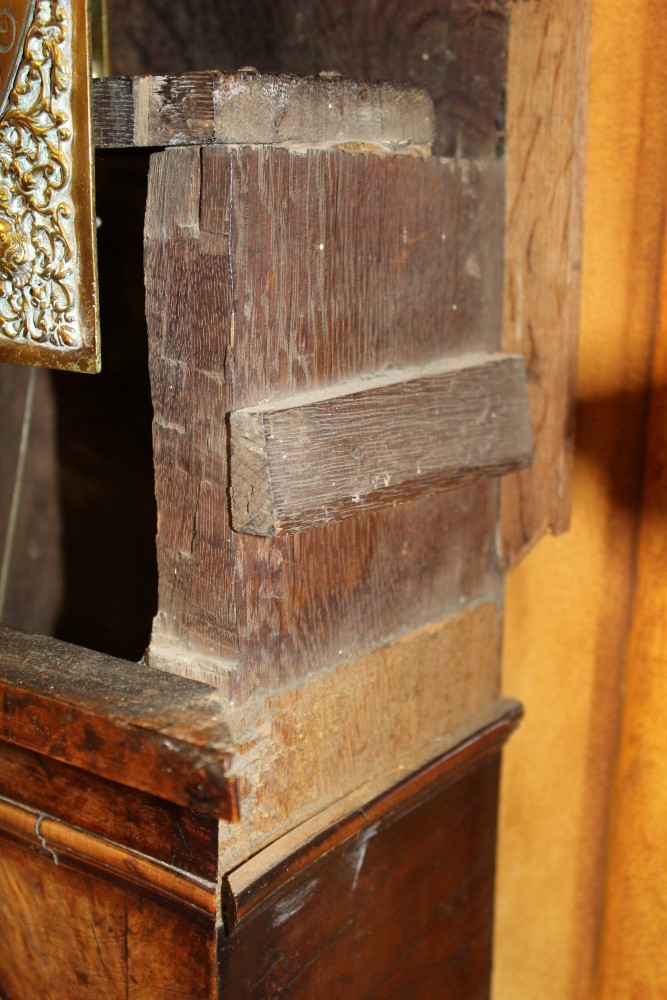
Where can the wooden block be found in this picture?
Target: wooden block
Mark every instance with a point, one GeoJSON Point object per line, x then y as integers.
{"type": "Point", "coordinates": [136, 726]}
{"type": "Point", "coordinates": [321, 457]}
{"type": "Point", "coordinates": [456, 49]}
{"type": "Point", "coordinates": [269, 274]}
{"type": "Point", "coordinates": [301, 749]}
{"type": "Point", "coordinates": [247, 108]}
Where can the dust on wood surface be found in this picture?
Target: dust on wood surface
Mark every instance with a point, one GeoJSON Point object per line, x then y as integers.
{"type": "Point", "coordinates": [141, 727]}
{"type": "Point", "coordinates": [270, 273]}
{"type": "Point", "coordinates": [319, 457]}
{"type": "Point", "coordinates": [247, 108]}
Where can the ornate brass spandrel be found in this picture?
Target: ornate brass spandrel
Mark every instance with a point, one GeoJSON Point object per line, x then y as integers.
{"type": "Point", "coordinates": [48, 281]}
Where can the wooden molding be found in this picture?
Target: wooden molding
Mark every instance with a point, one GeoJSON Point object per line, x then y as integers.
{"type": "Point", "coordinates": [322, 456]}
{"type": "Point", "coordinates": [140, 727]}
{"type": "Point", "coordinates": [58, 840]}
{"type": "Point", "coordinates": [253, 108]}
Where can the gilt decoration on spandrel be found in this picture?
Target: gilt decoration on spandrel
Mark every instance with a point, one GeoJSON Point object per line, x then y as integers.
{"type": "Point", "coordinates": [48, 287]}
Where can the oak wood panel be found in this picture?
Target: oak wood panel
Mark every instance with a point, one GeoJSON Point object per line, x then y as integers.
{"type": "Point", "coordinates": [322, 456]}
{"type": "Point", "coordinates": [546, 148]}
{"type": "Point", "coordinates": [246, 107]}
{"type": "Point", "coordinates": [67, 932]}
{"type": "Point", "coordinates": [152, 731]}
{"type": "Point", "coordinates": [454, 48]}
{"type": "Point", "coordinates": [237, 316]}
{"type": "Point", "coordinates": [377, 919]}
{"type": "Point", "coordinates": [120, 814]}
{"type": "Point", "coordinates": [372, 718]}
{"type": "Point", "coordinates": [189, 310]}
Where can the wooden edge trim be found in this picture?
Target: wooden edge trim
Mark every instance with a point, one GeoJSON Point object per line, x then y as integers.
{"type": "Point", "coordinates": [247, 107]}
{"type": "Point", "coordinates": [318, 457]}
{"type": "Point", "coordinates": [247, 886]}
{"type": "Point", "coordinates": [57, 839]}
{"type": "Point", "coordinates": [132, 724]}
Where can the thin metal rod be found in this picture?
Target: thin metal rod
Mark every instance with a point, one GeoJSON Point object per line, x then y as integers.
{"type": "Point", "coordinates": [10, 535]}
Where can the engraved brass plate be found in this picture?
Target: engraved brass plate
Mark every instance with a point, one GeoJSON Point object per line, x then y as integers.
{"type": "Point", "coordinates": [48, 279]}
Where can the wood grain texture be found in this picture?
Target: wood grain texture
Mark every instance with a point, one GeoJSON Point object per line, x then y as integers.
{"type": "Point", "coordinates": [351, 901]}
{"type": "Point", "coordinates": [133, 725]}
{"type": "Point", "coordinates": [67, 932]}
{"type": "Point", "coordinates": [249, 884]}
{"type": "Point", "coordinates": [141, 822]}
{"type": "Point", "coordinates": [247, 107]}
{"type": "Point", "coordinates": [376, 442]}
{"type": "Point", "coordinates": [261, 265]}
{"type": "Point", "coordinates": [546, 144]}
{"type": "Point", "coordinates": [456, 49]}
{"type": "Point", "coordinates": [60, 841]}
{"type": "Point", "coordinates": [371, 718]}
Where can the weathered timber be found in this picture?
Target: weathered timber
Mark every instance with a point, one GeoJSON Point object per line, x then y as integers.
{"type": "Point", "coordinates": [347, 898]}
{"type": "Point", "coordinates": [122, 815]}
{"type": "Point", "coordinates": [381, 441]}
{"type": "Point", "coordinates": [456, 49]}
{"type": "Point", "coordinates": [136, 726]}
{"type": "Point", "coordinates": [270, 273]}
{"type": "Point", "coordinates": [298, 750]}
{"type": "Point", "coordinates": [246, 107]}
{"type": "Point", "coordinates": [546, 150]}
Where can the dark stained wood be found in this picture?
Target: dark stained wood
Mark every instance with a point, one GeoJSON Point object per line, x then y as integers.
{"type": "Point", "coordinates": [395, 899]}
{"type": "Point", "coordinates": [246, 107]}
{"type": "Point", "coordinates": [133, 725]}
{"type": "Point", "coordinates": [70, 931]}
{"type": "Point", "coordinates": [269, 274]}
{"type": "Point", "coordinates": [321, 456]}
{"type": "Point", "coordinates": [454, 48]}
{"type": "Point", "coordinates": [189, 307]}
{"type": "Point", "coordinates": [120, 814]}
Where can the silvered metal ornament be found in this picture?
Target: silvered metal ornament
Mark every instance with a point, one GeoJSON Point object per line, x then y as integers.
{"type": "Point", "coordinates": [48, 279]}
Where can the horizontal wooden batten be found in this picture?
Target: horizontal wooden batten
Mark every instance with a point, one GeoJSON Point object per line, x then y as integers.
{"type": "Point", "coordinates": [247, 107]}
{"type": "Point", "coordinates": [131, 724]}
{"type": "Point", "coordinates": [319, 457]}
